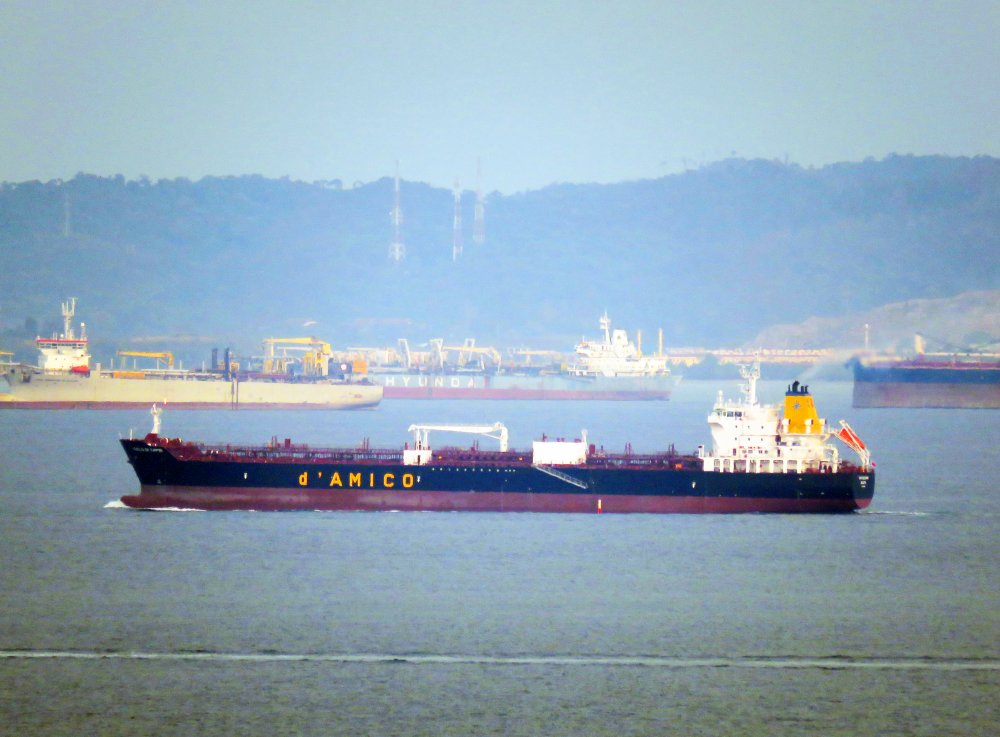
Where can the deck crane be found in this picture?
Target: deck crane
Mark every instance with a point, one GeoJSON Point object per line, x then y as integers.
{"type": "Point", "coordinates": [421, 433]}
{"type": "Point", "coordinates": [166, 356]}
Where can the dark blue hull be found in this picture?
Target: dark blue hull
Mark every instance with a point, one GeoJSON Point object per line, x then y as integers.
{"type": "Point", "coordinates": [917, 384]}
{"type": "Point", "coordinates": [501, 482]}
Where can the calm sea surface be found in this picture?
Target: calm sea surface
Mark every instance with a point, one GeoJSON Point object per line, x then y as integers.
{"type": "Point", "coordinates": [188, 623]}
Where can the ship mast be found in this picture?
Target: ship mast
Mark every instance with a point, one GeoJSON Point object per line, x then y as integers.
{"type": "Point", "coordinates": [68, 310]}
{"type": "Point", "coordinates": [750, 372]}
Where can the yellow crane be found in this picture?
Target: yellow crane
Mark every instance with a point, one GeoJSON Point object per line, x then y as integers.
{"type": "Point", "coordinates": [315, 357]}
{"type": "Point", "coordinates": [166, 356]}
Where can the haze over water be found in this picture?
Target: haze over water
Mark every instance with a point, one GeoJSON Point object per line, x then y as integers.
{"type": "Point", "coordinates": [119, 622]}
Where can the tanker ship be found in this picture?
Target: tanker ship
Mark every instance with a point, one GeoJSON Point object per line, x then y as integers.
{"type": "Point", "coordinates": [763, 460]}
{"type": "Point", "coordinates": [957, 380]}
{"type": "Point", "coordinates": [609, 369]}
{"type": "Point", "coordinates": [63, 379]}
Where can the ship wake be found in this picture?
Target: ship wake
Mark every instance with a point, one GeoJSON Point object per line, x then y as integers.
{"type": "Point", "coordinates": [649, 661]}
{"type": "Point", "coordinates": [118, 504]}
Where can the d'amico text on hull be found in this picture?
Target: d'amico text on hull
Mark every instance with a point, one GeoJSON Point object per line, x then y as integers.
{"type": "Point", "coordinates": [761, 462]}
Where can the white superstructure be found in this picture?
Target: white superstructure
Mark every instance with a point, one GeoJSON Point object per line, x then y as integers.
{"type": "Point", "coordinates": [615, 356]}
{"type": "Point", "coordinates": [560, 452]}
{"type": "Point", "coordinates": [65, 352]}
{"type": "Point", "coordinates": [749, 437]}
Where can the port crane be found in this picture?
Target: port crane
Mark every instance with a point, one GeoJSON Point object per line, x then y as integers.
{"type": "Point", "coordinates": [439, 352]}
{"type": "Point", "coordinates": [315, 358]}
{"type": "Point", "coordinates": [528, 354]}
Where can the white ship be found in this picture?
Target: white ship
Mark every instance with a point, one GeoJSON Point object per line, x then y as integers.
{"type": "Point", "coordinates": [63, 379]}
{"type": "Point", "coordinates": [616, 355]}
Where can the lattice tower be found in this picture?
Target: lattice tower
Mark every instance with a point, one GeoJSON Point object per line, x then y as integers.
{"type": "Point", "coordinates": [397, 249]}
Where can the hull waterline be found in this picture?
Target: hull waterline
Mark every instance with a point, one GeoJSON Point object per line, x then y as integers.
{"type": "Point", "coordinates": [926, 384]}
{"type": "Point", "coordinates": [938, 395]}
{"type": "Point", "coordinates": [274, 499]}
{"type": "Point", "coordinates": [105, 392]}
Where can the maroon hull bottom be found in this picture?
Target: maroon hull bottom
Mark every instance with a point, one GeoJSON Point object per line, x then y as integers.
{"type": "Point", "coordinates": [276, 499]}
{"type": "Point", "coordinates": [438, 392]}
{"type": "Point", "coordinates": [929, 396]}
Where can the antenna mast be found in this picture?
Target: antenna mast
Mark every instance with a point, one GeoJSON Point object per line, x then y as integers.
{"type": "Point", "coordinates": [456, 229]}
{"type": "Point", "coordinates": [67, 228]}
{"type": "Point", "coordinates": [397, 250]}
{"type": "Point", "coordinates": [479, 224]}
{"type": "Point", "coordinates": [68, 310]}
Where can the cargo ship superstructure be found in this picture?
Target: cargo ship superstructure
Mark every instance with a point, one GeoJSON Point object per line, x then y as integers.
{"type": "Point", "coordinates": [615, 356]}
{"type": "Point", "coordinates": [763, 460]}
{"type": "Point", "coordinates": [64, 379]}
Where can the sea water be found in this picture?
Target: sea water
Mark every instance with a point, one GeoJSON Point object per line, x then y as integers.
{"type": "Point", "coordinates": [237, 623]}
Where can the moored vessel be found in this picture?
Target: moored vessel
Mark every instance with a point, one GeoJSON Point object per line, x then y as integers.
{"type": "Point", "coordinates": [763, 459]}
{"type": "Point", "coordinates": [522, 385]}
{"type": "Point", "coordinates": [64, 379]}
{"type": "Point", "coordinates": [612, 368]}
{"type": "Point", "coordinates": [940, 380]}
{"type": "Point", "coordinates": [616, 356]}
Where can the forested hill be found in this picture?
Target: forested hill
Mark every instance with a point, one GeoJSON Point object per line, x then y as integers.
{"type": "Point", "coordinates": [713, 256]}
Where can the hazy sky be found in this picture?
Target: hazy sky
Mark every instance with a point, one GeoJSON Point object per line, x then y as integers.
{"type": "Point", "coordinates": [540, 91]}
